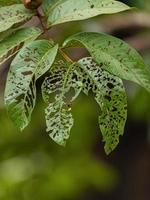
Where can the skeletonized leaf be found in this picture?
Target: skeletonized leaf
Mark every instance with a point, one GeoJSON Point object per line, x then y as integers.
{"type": "Point", "coordinates": [14, 15]}
{"type": "Point", "coordinates": [111, 97]}
{"type": "Point", "coordinates": [83, 76]}
{"type": "Point", "coordinates": [20, 94]}
{"type": "Point", "coordinates": [60, 11]}
{"type": "Point", "coordinates": [115, 56]}
{"type": "Point", "coordinates": [11, 44]}
{"type": "Point", "coordinates": [59, 120]}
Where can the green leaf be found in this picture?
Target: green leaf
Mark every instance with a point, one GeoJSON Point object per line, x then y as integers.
{"type": "Point", "coordinates": [5, 34]}
{"type": "Point", "coordinates": [85, 75]}
{"type": "Point", "coordinates": [60, 11]}
{"type": "Point", "coordinates": [14, 15]}
{"type": "Point", "coordinates": [115, 56]}
{"type": "Point", "coordinates": [8, 2]}
{"type": "Point", "coordinates": [111, 97]}
{"type": "Point", "coordinates": [59, 120]}
{"type": "Point", "coordinates": [11, 44]}
{"type": "Point", "coordinates": [20, 94]}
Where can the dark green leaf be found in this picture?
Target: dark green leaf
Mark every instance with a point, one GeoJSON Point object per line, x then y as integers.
{"type": "Point", "coordinates": [9, 2]}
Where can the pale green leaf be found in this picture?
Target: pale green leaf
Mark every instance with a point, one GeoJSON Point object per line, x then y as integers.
{"type": "Point", "coordinates": [60, 11]}
{"type": "Point", "coordinates": [20, 94]}
{"type": "Point", "coordinates": [11, 16]}
{"type": "Point", "coordinates": [115, 56]}
{"type": "Point", "coordinates": [111, 97]}
{"type": "Point", "coordinates": [59, 120]}
{"type": "Point", "coordinates": [11, 44]}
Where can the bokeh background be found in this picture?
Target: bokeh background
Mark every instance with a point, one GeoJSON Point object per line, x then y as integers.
{"type": "Point", "coordinates": [32, 167]}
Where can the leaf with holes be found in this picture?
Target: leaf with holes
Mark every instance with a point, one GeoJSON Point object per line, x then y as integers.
{"type": "Point", "coordinates": [59, 120]}
{"type": "Point", "coordinates": [20, 94]}
{"type": "Point", "coordinates": [60, 11]}
{"type": "Point", "coordinates": [115, 56]}
{"type": "Point", "coordinates": [14, 15]}
{"type": "Point", "coordinates": [83, 76]}
{"type": "Point", "coordinates": [12, 44]}
{"type": "Point", "coordinates": [111, 97]}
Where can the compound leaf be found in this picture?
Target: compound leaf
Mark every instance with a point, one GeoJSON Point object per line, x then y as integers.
{"type": "Point", "coordinates": [60, 11]}
{"type": "Point", "coordinates": [14, 15]}
{"type": "Point", "coordinates": [115, 56]}
{"type": "Point", "coordinates": [111, 97]}
{"type": "Point", "coordinates": [11, 44]}
{"type": "Point", "coordinates": [20, 94]}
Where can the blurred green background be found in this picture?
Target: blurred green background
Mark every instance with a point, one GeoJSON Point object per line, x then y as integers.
{"type": "Point", "coordinates": [32, 167]}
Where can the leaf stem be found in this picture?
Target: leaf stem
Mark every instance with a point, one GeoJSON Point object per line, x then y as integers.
{"type": "Point", "coordinates": [45, 29]}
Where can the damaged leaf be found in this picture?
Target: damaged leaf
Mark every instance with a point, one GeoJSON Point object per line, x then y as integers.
{"type": "Point", "coordinates": [20, 94]}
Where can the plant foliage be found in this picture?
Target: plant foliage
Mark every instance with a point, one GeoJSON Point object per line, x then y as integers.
{"type": "Point", "coordinates": [63, 79]}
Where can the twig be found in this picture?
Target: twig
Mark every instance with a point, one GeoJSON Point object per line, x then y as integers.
{"type": "Point", "coordinates": [40, 17]}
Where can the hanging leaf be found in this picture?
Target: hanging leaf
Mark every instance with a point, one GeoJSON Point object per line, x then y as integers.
{"type": "Point", "coordinates": [20, 94]}
{"type": "Point", "coordinates": [60, 11]}
{"type": "Point", "coordinates": [14, 15]}
{"type": "Point", "coordinates": [111, 97]}
{"type": "Point", "coordinates": [11, 44]}
{"type": "Point", "coordinates": [59, 120]}
{"type": "Point", "coordinates": [115, 56]}
{"type": "Point", "coordinates": [83, 76]}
